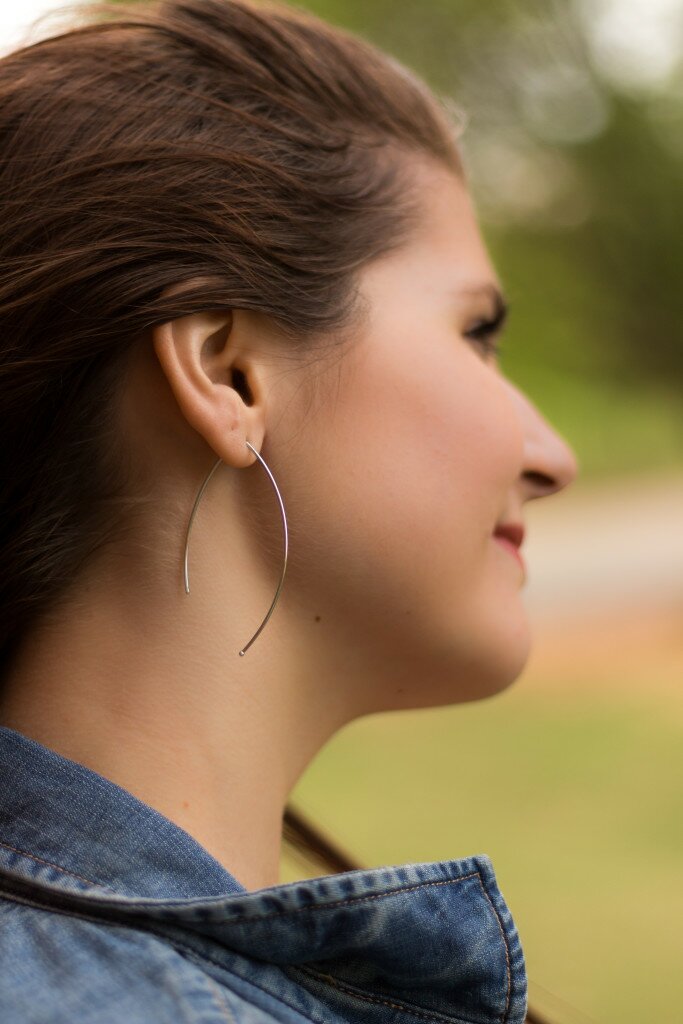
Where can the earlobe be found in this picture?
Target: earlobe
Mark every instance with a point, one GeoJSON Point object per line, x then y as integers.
{"type": "Point", "coordinates": [198, 355]}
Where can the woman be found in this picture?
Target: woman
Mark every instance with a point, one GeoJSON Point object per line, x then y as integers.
{"type": "Point", "coordinates": [248, 364]}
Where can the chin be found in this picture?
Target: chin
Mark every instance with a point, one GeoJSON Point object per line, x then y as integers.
{"type": "Point", "coordinates": [505, 661]}
{"type": "Point", "coordinates": [483, 668]}
{"type": "Point", "coordinates": [449, 659]}
{"type": "Point", "coordinates": [483, 688]}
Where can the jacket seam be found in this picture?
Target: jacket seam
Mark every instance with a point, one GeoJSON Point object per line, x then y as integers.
{"type": "Point", "coordinates": [329, 979]}
{"type": "Point", "coordinates": [410, 1008]}
{"type": "Point", "coordinates": [174, 943]}
{"type": "Point", "coordinates": [357, 993]}
{"type": "Point", "coordinates": [57, 867]}
{"type": "Point", "coordinates": [239, 918]}
{"type": "Point", "coordinates": [507, 955]}
{"type": "Point", "coordinates": [354, 899]}
{"type": "Point", "coordinates": [221, 999]}
{"type": "Point", "coordinates": [197, 959]}
{"type": "Point", "coordinates": [217, 991]}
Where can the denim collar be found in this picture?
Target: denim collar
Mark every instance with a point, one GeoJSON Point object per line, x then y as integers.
{"type": "Point", "coordinates": [77, 842]}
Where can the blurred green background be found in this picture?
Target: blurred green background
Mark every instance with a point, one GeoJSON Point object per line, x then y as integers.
{"type": "Point", "coordinates": [572, 136]}
{"type": "Point", "coordinates": [572, 117]}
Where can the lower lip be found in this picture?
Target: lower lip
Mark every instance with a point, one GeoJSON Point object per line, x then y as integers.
{"type": "Point", "coordinates": [512, 548]}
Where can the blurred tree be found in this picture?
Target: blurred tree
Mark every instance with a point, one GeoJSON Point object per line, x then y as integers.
{"type": "Point", "coordinates": [578, 180]}
{"type": "Point", "coordinates": [570, 116]}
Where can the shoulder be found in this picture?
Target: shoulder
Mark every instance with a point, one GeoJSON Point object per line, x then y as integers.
{"type": "Point", "coordinates": [59, 968]}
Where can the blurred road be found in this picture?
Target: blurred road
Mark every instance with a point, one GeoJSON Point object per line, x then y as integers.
{"type": "Point", "coordinates": [604, 589]}
{"type": "Point", "coordinates": [615, 544]}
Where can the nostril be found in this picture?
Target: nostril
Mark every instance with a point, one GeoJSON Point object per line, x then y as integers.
{"type": "Point", "coordinates": [543, 481]}
{"type": "Point", "coordinates": [540, 478]}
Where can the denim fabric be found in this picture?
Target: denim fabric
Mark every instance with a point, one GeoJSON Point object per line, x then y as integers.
{"type": "Point", "coordinates": [111, 914]}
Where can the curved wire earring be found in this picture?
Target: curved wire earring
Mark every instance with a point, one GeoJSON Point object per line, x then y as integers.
{"type": "Point", "coordinates": [284, 527]}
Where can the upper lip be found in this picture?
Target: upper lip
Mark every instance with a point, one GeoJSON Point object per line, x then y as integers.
{"type": "Point", "coordinates": [513, 532]}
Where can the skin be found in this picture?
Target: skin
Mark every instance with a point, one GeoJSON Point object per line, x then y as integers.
{"type": "Point", "coordinates": [396, 454]}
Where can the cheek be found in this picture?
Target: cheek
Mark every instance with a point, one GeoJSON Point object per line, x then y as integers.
{"type": "Point", "coordinates": [412, 468]}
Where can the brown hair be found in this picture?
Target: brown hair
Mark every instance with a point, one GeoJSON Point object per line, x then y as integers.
{"type": "Point", "coordinates": [242, 149]}
{"type": "Point", "coordinates": [250, 151]}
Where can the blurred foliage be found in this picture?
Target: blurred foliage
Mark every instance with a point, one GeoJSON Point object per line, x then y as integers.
{"type": "Point", "coordinates": [573, 794]}
{"type": "Point", "coordinates": [571, 129]}
{"type": "Point", "coordinates": [574, 150]}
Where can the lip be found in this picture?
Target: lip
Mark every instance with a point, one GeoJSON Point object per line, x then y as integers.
{"type": "Point", "coordinates": [512, 548]}
{"type": "Point", "coordinates": [513, 531]}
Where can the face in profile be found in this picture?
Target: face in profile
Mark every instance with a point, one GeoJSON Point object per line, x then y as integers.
{"type": "Point", "coordinates": [420, 449]}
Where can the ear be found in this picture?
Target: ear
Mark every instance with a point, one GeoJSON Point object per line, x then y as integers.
{"type": "Point", "coordinates": [215, 377]}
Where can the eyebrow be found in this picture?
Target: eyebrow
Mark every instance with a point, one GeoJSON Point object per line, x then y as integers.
{"type": "Point", "coordinates": [491, 291]}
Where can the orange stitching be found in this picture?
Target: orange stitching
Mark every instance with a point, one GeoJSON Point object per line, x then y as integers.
{"type": "Point", "coordinates": [355, 899]}
{"type": "Point", "coordinates": [221, 998]}
{"type": "Point", "coordinates": [195, 954]}
{"type": "Point", "coordinates": [216, 902]}
{"type": "Point", "coordinates": [57, 867]}
{"type": "Point", "coordinates": [417, 1013]}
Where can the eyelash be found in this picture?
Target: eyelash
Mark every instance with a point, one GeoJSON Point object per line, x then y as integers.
{"type": "Point", "coordinates": [485, 335]}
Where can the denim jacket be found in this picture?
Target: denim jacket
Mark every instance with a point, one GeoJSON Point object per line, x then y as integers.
{"type": "Point", "coordinates": [112, 914]}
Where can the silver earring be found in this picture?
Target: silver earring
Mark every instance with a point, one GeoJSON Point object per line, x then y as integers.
{"type": "Point", "coordinates": [284, 527]}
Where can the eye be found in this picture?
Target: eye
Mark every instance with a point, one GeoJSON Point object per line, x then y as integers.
{"type": "Point", "coordinates": [487, 336]}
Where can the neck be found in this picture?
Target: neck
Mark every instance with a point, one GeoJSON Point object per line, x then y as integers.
{"type": "Point", "coordinates": [146, 688]}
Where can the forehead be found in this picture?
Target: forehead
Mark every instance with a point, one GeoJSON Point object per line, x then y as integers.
{"type": "Point", "coordinates": [448, 231]}
{"type": "Point", "coordinates": [445, 250]}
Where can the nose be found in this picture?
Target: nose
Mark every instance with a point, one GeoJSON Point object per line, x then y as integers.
{"type": "Point", "coordinates": [549, 462]}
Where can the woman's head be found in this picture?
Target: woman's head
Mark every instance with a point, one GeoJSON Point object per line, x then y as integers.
{"type": "Point", "coordinates": [226, 222]}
